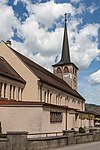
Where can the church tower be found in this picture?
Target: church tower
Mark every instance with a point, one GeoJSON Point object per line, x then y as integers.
{"type": "Point", "coordinates": [65, 69]}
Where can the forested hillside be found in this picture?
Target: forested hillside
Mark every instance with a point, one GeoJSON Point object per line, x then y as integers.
{"type": "Point", "coordinates": [92, 108]}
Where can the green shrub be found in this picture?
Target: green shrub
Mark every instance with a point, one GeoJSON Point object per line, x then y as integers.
{"type": "Point", "coordinates": [81, 130]}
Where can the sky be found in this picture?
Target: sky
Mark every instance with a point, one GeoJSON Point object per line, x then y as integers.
{"type": "Point", "coordinates": [35, 28]}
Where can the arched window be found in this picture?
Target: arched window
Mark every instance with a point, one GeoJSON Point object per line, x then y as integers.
{"type": "Point", "coordinates": [56, 99]}
{"type": "Point", "coordinates": [21, 93]}
{"type": "Point", "coordinates": [66, 70]}
{"type": "Point", "coordinates": [5, 86]}
{"type": "Point", "coordinates": [45, 94]}
{"type": "Point", "coordinates": [75, 72]}
{"type": "Point", "coordinates": [59, 70]}
{"type": "Point", "coordinates": [0, 89]}
{"type": "Point", "coordinates": [10, 91]}
{"type": "Point", "coordinates": [50, 97]}
{"type": "Point", "coordinates": [13, 92]}
{"type": "Point", "coordinates": [18, 93]}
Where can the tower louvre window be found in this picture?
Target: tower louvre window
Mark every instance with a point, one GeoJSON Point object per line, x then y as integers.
{"type": "Point", "coordinates": [59, 70]}
{"type": "Point", "coordinates": [66, 70]}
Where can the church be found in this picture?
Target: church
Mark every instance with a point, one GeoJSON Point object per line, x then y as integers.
{"type": "Point", "coordinates": [35, 100]}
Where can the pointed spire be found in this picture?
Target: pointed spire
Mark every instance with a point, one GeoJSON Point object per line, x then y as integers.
{"type": "Point", "coordinates": [65, 58]}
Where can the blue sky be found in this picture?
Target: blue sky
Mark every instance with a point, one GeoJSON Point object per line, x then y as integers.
{"type": "Point", "coordinates": [36, 30]}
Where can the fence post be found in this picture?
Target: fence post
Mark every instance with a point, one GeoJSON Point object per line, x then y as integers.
{"type": "Point", "coordinates": [17, 140]}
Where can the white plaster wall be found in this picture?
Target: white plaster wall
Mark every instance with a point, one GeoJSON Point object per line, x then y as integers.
{"type": "Point", "coordinates": [85, 123]}
{"type": "Point", "coordinates": [88, 123]}
{"type": "Point", "coordinates": [30, 91]}
{"type": "Point", "coordinates": [70, 121]}
{"type": "Point", "coordinates": [78, 124]}
{"type": "Point", "coordinates": [92, 123]}
{"type": "Point", "coordinates": [21, 119]}
{"type": "Point", "coordinates": [47, 126]}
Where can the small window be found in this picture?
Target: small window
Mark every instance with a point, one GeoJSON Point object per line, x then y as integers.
{"type": "Point", "coordinates": [21, 93]}
{"type": "Point", "coordinates": [75, 72]}
{"type": "Point", "coordinates": [55, 116]}
{"type": "Point", "coordinates": [56, 99]}
{"type": "Point", "coordinates": [59, 70]}
{"type": "Point", "coordinates": [10, 91]}
{"type": "Point", "coordinates": [65, 101]}
{"type": "Point", "coordinates": [66, 70]}
{"type": "Point", "coordinates": [45, 96]}
{"type": "Point", "coordinates": [50, 97]}
{"type": "Point", "coordinates": [14, 92]}
{"type": "Point", "coordinates": [1, 89]}
{"type": "Point", "coordinates": [5, 86]}
{"type": "Point", "coordinates": [18, 93]}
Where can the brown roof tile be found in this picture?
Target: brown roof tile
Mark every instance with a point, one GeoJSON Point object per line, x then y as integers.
{"type": "Point", "coordinates": [47, 77]}
{"type": "Point", "coordinates": [8, 71]}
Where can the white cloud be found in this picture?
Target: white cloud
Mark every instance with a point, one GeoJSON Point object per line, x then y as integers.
{"type": "Point", "coordinates": [47, 13]}
{"type": "Point", "coordinates": [84, 46]}
{"type": "Point", "coordinates": [76, 1]}
{"type": "Point", "coordinates": [49, 43]}
{"type": "Point", "coordinates": [8, 22]}
{"type": "Point", "coordinates": [4, 1]}
{"type": "Point", "coordinates": [43, 45]}
{"type": "Point", "coordinates": [95, 78]}
{"type": "Point", "coordinates": [92, 8]}
{"type": "Point", "coordinates": [81, 9]}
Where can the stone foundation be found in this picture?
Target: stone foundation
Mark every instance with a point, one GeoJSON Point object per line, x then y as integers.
{"type": "Point", "coordinates": [19, 141]}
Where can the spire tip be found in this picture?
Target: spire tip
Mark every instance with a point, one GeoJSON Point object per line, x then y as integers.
{"type": "Point", "coordinates": [65, 17]}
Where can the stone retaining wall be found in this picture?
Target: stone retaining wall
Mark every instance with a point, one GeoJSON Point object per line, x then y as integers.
{"type": "Point", "coordinates": [19, 141]}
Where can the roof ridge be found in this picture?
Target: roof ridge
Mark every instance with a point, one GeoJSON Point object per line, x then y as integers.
{"type": "Point", "coordinates": [45, 75]}
{"type": "Point", "coordinates": [42, 68]}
